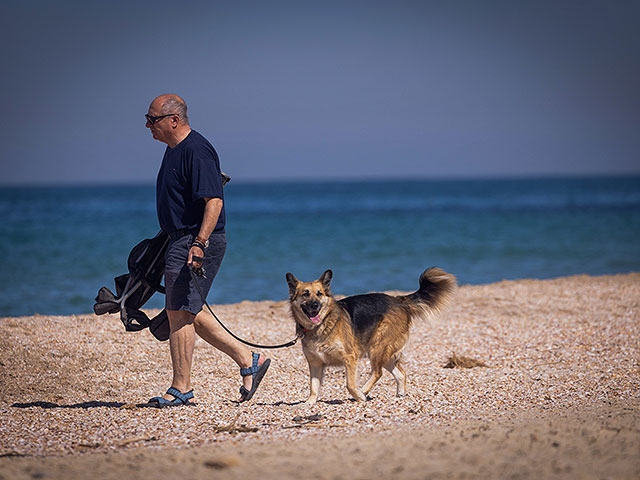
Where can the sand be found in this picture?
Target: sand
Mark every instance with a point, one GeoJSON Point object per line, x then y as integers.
{"type": "Point", "coordinates": [559, 396]}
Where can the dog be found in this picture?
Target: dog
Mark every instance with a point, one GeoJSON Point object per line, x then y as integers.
{"type": "Point", "coordinates": [376, 325]}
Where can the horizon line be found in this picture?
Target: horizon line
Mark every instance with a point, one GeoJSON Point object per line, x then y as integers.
{"type": "Point", "coordinates": [336, 179]}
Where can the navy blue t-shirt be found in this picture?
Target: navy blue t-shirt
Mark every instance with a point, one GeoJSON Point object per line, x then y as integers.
{"type": "Point", "coordinates": [190, 171]}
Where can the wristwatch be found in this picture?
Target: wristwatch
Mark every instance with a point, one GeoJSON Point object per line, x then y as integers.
{"type": "Point", "coordinates": [203, 241]}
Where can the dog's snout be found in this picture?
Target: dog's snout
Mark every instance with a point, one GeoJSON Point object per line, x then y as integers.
{"type": "Point", "coordinates": [311, 308]}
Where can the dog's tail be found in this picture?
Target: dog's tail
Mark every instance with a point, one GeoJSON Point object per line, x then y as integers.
{"type": "Point", "coordinates": [436, 289]}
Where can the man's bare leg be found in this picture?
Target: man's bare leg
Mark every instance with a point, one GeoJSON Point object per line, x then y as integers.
{"type": "Point", "coordinates": [181, 343]}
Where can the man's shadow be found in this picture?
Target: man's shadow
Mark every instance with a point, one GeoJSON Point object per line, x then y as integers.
{"type": "Point", "coordinates": [91, 404]}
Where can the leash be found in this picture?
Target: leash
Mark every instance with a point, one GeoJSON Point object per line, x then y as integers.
{"type": "Point", "coordinates": [200, 273]}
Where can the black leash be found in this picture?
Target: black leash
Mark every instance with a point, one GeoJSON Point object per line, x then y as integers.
{"type": "Point", "coordinates": [200, 273]}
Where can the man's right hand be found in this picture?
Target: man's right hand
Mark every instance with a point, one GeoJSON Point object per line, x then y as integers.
{"type": "Point", "coordinates": [198, 253]}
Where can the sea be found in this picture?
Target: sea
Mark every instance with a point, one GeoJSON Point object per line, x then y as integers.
{"type": "Point", "coordinates": [59, 245]}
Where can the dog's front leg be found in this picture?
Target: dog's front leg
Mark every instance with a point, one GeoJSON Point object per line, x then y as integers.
{"type": "Point", "coordinates": [316, 373]}
{"type": "Point", "coordinates": [351, 365]}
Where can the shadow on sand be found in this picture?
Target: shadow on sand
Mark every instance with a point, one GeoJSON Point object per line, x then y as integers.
{"type": "Point", "coordinates": [91, 404]}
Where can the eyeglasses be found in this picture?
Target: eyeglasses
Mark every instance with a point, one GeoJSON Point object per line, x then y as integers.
{"type": "Point", "coordinates": [153, 119]}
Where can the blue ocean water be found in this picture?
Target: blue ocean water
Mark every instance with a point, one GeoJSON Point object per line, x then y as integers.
{"type": "Point", "coordinates": [59, 245]}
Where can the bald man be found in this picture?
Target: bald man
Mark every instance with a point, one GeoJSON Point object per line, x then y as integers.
{"type": "Point", "coordinates": [190, 206]}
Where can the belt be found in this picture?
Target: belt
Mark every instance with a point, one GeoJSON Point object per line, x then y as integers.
{"type": "Point", "coordinates": [179, 233]}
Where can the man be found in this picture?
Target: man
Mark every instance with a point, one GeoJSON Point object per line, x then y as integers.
{"type": "Point", "coordinates": [190, 205]}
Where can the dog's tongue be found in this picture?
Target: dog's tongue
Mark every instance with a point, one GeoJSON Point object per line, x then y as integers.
{"type": "Point", "coordinates": [315, 320]}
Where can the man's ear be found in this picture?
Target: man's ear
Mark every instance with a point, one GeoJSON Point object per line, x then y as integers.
{"type": "Point", "coordinates": [325, 279]}
{"type": "Point", "coordinates": [293, 284]}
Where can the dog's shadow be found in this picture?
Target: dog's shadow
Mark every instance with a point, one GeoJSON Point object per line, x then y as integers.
{"type": "Point", "coordinates": [84, 405]}
{"type": "Point", "coordinates": [300, 403]}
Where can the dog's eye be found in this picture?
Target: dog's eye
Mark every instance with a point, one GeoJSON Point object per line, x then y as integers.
{"type": "Point", "coordinates": [319, 294]}
{"type": "Point", "coordinates": [305, 293]}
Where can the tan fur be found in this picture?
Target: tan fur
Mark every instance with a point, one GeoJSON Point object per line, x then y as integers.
{"type": "Point", "coordinates": [334, 341]}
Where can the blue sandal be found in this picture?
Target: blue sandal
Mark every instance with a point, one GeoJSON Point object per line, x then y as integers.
{"type": "Point", "coordinates": [179, 399]}
{"type": "Point", "coordinates": [257, 372]}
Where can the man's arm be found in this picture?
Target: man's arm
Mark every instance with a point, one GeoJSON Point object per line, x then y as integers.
{"type": "Point", "coordinates": [212, 209]}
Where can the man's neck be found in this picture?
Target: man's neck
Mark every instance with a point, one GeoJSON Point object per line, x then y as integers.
{"type": "Point", "coordinates": [179, 135]}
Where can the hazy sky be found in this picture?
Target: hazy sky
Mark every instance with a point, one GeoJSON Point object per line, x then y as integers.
{"type": "Point", "coordinates": [316, 90]}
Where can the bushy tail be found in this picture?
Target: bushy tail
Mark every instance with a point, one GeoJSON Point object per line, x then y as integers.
{"type": "Point", "coordinates": [436, 289]}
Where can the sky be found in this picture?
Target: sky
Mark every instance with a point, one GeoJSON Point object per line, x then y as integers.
{"type": "Point", "coordinates": [322, 90]}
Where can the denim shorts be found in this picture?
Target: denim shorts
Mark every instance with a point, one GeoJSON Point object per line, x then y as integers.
{"type": "Point", "coordinates": [182, 293]}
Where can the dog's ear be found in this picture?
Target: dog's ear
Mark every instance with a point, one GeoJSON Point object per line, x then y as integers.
{"type": "Point", "coordinates": [293, 284]}
{"type": "Point", "coordinates": [325, 279]}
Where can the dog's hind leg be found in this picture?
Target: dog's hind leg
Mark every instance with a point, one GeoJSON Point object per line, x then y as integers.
{"type": "Point", "coordinates": [376, 373]}
{"type": "Point", "coordinates": [381, 355]}
{"type": "Point", "coordinates": [395, 368]}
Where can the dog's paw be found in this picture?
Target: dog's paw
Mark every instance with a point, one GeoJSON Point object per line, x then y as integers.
{"type": "Point", "coordinates": [359, 396]}
{"type": "Point", "coordinates": [306, 405]}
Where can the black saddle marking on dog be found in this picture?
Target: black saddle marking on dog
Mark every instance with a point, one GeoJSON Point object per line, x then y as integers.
{"type": "Point", "coordinates": [367, 311]}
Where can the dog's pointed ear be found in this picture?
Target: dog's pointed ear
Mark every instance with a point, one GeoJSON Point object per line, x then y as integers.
{"type": "Point", "coordinates": [325, 279]}
{"type": "Point", "coordinates": [293, 284]}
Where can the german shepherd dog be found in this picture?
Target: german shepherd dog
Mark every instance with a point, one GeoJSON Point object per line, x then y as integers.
{"type": "Point", "coordinates": [341, 332]}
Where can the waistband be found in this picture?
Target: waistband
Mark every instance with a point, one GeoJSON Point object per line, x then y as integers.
{"type": "Point", "coordinates": [173, 236]}
{"type": "Point", "coordinates": [180, 233]}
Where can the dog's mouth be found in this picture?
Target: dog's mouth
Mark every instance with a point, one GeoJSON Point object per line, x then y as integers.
{"type": "Point", "coordinates": [313, 313]}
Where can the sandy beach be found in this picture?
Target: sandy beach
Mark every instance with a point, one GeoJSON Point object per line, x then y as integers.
{"type": "Point", "coordinates": [559, 396]}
